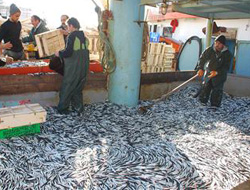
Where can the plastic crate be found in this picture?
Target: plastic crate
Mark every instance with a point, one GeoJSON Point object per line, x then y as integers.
{"type": "Point", "coordinates": [95, 67]}
{"type": "Point", "coordinates": [20, 131]}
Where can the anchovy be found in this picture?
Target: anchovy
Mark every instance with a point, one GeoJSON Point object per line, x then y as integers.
{"type": "Point", "coordinates": [26, 64]}
{"type": "Point", "coordinates": [179, 144]}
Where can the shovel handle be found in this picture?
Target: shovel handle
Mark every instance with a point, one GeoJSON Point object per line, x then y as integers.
{"type": "Point", "coordinates": [143, 109]}
{"type": "Point", "coordinates": [177, 88]}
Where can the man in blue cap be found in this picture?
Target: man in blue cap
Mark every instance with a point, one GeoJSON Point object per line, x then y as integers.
{"type": "Point", "coordinates": [213, 65]}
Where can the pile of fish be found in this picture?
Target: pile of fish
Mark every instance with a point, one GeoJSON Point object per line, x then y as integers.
{"type": "Point", "coordinates": [27, 64]}
{"type": "Point", "coordinates": [177, 144]}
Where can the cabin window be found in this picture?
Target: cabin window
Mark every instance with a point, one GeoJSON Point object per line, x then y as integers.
{"type": "Point", "coordinates": [167, 32]}
{"type": "Point", "coordinates": [155, 28]}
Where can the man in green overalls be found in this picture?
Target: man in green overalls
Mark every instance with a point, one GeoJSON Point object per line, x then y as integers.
{"type": "Point", "coordinates": [75, 58]}
{"type": "Point", "coordinates": [213, 65]}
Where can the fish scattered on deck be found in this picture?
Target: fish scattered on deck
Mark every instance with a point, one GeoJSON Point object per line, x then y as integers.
{"type": "Point", "coordinates": [178, 144]}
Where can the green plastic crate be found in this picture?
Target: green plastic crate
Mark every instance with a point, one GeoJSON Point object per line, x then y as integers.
{"type": "Point", "coordinates": [19, 131]}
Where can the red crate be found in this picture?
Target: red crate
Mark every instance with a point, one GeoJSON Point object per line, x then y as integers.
{"type": "Point", "coordinates": [95, 67]}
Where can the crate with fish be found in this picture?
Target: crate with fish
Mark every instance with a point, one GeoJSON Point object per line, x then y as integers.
{"type": "Point", "coordinates": [21, 120]}
{"type": "Point", "coordinates": [49, 42]}
{"type": "Point", "coordinates": [26, 67]}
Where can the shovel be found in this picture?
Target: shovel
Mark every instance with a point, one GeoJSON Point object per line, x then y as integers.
{"type": "Point", "coordinates": [204, 81]}
{"type": "Point", "coordinates": [144, 109]}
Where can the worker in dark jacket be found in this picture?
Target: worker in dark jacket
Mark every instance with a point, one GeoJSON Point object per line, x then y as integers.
{"type": "Point", "coordinates": [38, 28]}
{"type": "Point", "coordinates": [76, 61]}
{"type": "Point", "coordinates": [213, 65]}
{"type": "Point", "coordinates": [64, 19]}
{"type": "Point", "coordinates": [10, 33]}
{"type": "Point", "coordinates": [56, 63]}
{"type": "Point", "coordinates": [63, 27]}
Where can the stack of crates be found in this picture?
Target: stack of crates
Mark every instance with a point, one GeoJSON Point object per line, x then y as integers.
{"type": "Point", "coordinates": [93, 40]}
{"type": "Point", "coordinates": [21, 120]}
{"type": "Point", "coordinates": [159, 58]}
{"type": "Point", "coordinates": [169, 56]}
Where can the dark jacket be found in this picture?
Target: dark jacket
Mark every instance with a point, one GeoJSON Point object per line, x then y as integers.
{"type": "Point", "coordinates": [31, 38]}
{"type": "Point", "coordinates": [69, 48]}
{"type": "Point", "coordinates": [10, 32]}
{"type": "Point", "coordinates": [63, 27]}
{"type": "Point", "coordinates": [211, 60]}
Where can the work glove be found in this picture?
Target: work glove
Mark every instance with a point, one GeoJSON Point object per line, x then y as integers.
{"type": "Point", "coordinates": [200, 73]}
{"type": "Point", "coordinates": [212, 74]}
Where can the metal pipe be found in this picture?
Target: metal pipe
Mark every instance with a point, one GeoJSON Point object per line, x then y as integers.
{"type": "Point", "coordinates": [209, 31]}
{"type": "Point", "coordinates": [126, 37]}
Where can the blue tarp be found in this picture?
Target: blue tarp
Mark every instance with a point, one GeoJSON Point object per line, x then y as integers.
{"type": "Point", "coordinates": [154, 36]}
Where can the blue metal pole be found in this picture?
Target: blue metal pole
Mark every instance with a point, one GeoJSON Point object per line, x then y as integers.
{"type": "Point", "coordinates": [126, 37]}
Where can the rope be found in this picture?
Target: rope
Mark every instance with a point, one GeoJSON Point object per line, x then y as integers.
{"type": "Point", "coordinates": [145, 42]}
{"type": "Point", "coordinates": [104, 46]}
{"type": "Point", "coordinates": [108, 61]}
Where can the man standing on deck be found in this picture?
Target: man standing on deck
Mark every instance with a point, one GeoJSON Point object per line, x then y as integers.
{"type": "Point", "coordinates": [75, 58]}
{"type": "Point", "coordinates": [213, 66]}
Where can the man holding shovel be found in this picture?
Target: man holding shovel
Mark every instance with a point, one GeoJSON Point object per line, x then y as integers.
{"type": "Point", "coordinates": [213, 66]}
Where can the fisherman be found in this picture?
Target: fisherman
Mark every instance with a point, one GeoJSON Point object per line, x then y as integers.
{"type": "Point", "coordinates": [63, 27]}
{"type": "Point", "coordinates": [213, 66]}
{"type": "Point", "coordinates": [10, 33]}
{"type": "Point", "coordinates": [38, 28]}
{"type": "Point", "coordinates": [76, 62]}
